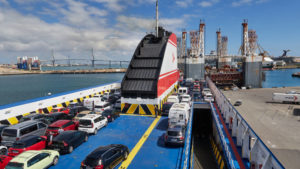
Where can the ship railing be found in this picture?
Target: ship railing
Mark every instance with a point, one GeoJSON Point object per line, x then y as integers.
{"type": "Point", "coordinates": [252, 147]}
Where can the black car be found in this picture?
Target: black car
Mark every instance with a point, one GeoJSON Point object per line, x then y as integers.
{"type": "Point", "coordinates": [166, 107]}
{"type": "Point", "coordinates": [112, 99]}
{"type": "Point", "coordinates": [105, 157]}
{"type": "Point", "coordinates": [74, 104]}
{"type": "Point", "coordinates": [66, 141]}
{"type": "Point", "coordinates": [51, 118]}
{"type": "Point", "coordinates": [76, 109]}
{"type": "Point", "coordinates": [110, 114]}
{"type": "Point", "coordinates": [117, 105]}
{"type": "Point", "coordinates": [32, 117]}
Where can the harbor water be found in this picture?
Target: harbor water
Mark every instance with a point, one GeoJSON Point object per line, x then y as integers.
{"type": "Point", "coordinates": [281, 78]}
{"type": "Point", "coordinates": [14, 88]}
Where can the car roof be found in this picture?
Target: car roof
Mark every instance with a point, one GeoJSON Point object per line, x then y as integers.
{"type": "Point", "coordinates": [59, 123]}
{"type": "Point", "coordinates": [22, 124]}
{"type": "Point", "coordinates": [100, 150]}
{"type": "Point", "coordinates": [26, 155]}
{"type": "Point", "coordinates": [85, 112]}
{"type": "Point", "coordinates": [90, 116]}
{"type": "Point", "coordinates": [177, 128]}
{"type": "Point", "coordinates": [26, 138]}
{"type": "Point", "coordinates": [56, 114]}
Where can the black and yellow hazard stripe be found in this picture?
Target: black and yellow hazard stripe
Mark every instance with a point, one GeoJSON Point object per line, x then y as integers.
{"type": "Point", "coordinates": [218, 155]}
{"type": "Point", "coordinates": [141, 109]}
{"type": "Point", "coordinates": [47, 110]}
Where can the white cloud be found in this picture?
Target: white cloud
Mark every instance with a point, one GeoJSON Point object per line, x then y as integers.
{"type": "Point", "coordinates": [184, 3]}
{"type": "Point", "coordinates": [208, 3]}
{"type": "Point", "coordinates": [113, 5]}
{"type": "Point", "coordinates": [248, 2]}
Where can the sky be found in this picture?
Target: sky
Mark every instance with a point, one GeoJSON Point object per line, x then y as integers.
{"type": "Point", "coordinates": [113, 28]}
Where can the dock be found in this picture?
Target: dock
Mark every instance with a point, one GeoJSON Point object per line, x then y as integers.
{"type": "Point", "coordinates": [273, 122]}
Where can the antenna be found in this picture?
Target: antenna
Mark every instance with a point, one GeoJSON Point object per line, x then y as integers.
{"type": "Point", "coordinates": [156, 18]}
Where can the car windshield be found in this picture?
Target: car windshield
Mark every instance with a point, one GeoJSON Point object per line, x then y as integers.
{"type": "Point", "coordinates": [14, 165]}
{"type": "Point", "coordinates": [173, 133]}
{"type": "Point", "coordinates": [18, 145]}
{"type": "Point", "coordinates": [9, 132]}
{"type": "Point", "coordinates": [91, 161]}
{"type": "Point", "coordinates": [53, 128]}
{"type": "Point", "coordinates": [85, 122]}
{"type": "Point", "coordinates": [54, 110]}
{"type": "Point", "coordinates": [80, 115]}
{"type": "Point", "coordinates": [24, 119]}
{"type": "Point", "coordinates": [99, 107]}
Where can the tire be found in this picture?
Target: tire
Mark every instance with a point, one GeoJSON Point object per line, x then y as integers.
{"type": "Point", "coordinates": [3, 151]}
{"type": "Point", "coordinates": [70, 149]}
{"type": "Point", "coordinates": [95, 131]}
{"type": "Point", "coordinates": [55, 160]}
{"type": "Point", "coordinates": [86, 138]}
{"type": "Point", "coordinates": [125, 155]}
{"type": "Point", "coordinates": [106, 124]}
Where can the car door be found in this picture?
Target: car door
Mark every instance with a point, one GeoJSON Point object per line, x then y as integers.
{"type": "Point", "coordinates": [77, 139]}
{"type": "Point", "coordinates": [101, 121]}
{"type": "Point", "coordinates": [39, 161]}
{"type": "Point", "coordinates": [115, 158]}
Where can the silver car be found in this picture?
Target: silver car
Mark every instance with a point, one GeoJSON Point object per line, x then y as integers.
{"type": "Point", "coordinates": [175, 135]}
{"type": "Point", "coordinates": [18, 131]}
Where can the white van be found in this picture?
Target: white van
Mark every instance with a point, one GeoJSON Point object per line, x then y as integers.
{"type": "Point", "coordinates": [91, 102]}
{"type": "Point", "coordinates": [183, 90]}
{"type": "Point", "coordinates": [179, 114]}
{"type": "Point", "coordinates": [173, 99]}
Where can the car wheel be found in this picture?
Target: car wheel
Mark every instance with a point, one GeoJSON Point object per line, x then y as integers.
{"type": "Point", "coordinates": [3, 151]}
{"type": "Point", "coordinates": [70, 150]}
{"type": "Point", "coordinates": [95, 131]}
{"type": "Point", "coordinates": [55, 160]}
{"type": "Point", "coordinates": [125, 155]}
{"type": "Point", "coordinates": [106, 123]}
{"type": "Point", "coordinates": [86, 138]}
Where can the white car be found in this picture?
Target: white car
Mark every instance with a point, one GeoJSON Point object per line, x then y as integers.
{"type": "Point", "coordinates": [101, 106]}
{"type": "Point", "coordinates": [208, 97]}
{"type": "Point", "coordinates": [91, 123]}
{"type": "Point", "coordinates": [205, 91]}
{"type": "Point", "coordinates": [186, 99]}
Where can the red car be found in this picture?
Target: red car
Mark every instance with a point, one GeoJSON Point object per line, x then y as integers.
{"type": "Point", "coordinates": [30, 142]}
{"type": "Point", "coordinates": [4, 160]}
{"type": "Point", "coordinates": [60, 110]}
{"type": "Point", "coordinates": [61, 125]}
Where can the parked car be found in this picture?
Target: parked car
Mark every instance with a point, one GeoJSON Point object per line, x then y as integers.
{"type": "Point", "coordinates": [173, 99]}
{"type": "Point", "coordinates": [66, 141]}
{"type": "Point", "coordinates": [166, 107]}
{"type": "Point", "coordinates": [175, 135]}
{"type": "Point", "coordinates": [16, 132]}
{"type": "Point", "coordinates": [205, 91]}
{"type": "Point", "coordinates": [60, 109]}
{"type": "Point", "coordinates": [105, 157]}
{"type": "Point", "coordinates": [30, 142]}
{"type": "Point", "coordinates": [2, 126]}
{"type": "Point", "coordinates": [82, 114]}
{"type": "Point", "coordinates": [112, 99]}
{"type": "Point", "coordinates": [100, 107]}
{"type": "Point", "coordinates": [32, 117]}
{"type": "Point", "coordinates": [34, 159]}
{"type": "Point", "coordinates": [117, 106]}
{"type": "Point", "coordinates": [91, 123]}
{"type": "Point", "coordinates": [4, 160]}
{"type": "Point", "coordinates": [111, 114]}
{"type": "Point", "coordinates": [208, 97]}
{"type": "Point", "coordinates": [77, 109]}
{"type": "Point", "coordinates": [61, 125]}
{"type": "Point", "coordinates": [51, 118]}
{"type": "Point", "coordinates": [74, 104]}
{"type": "Point", "coordinates": [238, 103]}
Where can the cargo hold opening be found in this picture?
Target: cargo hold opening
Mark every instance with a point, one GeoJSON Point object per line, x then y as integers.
{"type": "Point", "coordinates": [202, 131]}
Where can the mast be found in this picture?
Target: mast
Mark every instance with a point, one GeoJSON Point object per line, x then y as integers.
{"type": "Point", "coordinates": [156, 18]}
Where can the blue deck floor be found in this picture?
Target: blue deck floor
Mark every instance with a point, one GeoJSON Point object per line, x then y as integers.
{"type": "Point", "coordinates": [125, 130]}
{"type": "Point", "coordinates": [154, 154]}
